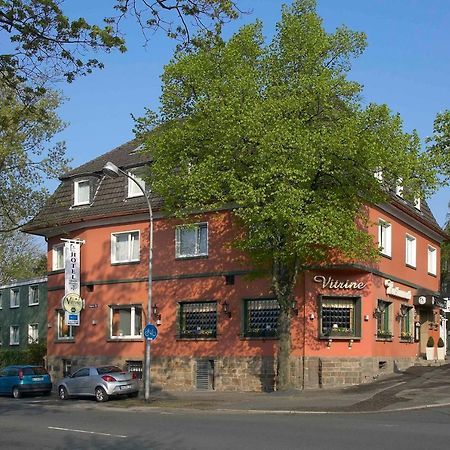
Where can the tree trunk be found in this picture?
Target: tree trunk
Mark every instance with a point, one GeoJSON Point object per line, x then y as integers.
{"type": "Point", "coordinates": [284, 277]}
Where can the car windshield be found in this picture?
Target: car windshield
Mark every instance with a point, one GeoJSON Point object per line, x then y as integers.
{"type": "Point", "coordinates": [108, 369]}
{"type": "Point", "coordinates": [34, 371]}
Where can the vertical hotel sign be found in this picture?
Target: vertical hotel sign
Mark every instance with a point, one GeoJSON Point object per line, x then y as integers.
{"type": "Point", "coordinates": [72, 281]}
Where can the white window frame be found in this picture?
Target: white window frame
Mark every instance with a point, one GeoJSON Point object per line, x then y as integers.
{"type": "Point", "coordinates": [410, 250]}
{"type": "Point", "coordinates": [55, 251]}
{"type": "Point", "coordinates": [129, 257]}
{"type": "Point", "coordinates": [133, 190]}
{"type": "Point", "coordinates": [76, 193]}
{"type": "Point", "coordinates": [14, 294]}
{"type": "Point", "coordinates": [11, 335]}
{"type": "Point", "coordinates": [385, 237]}
{"type": "Point", "coordinates": [60, 318]}
{"type": "Point", "coordinates": [132, 308]}
{"type": "Point", "coordinates": [33, 327]}
{"type": "Point", "coordinates": [432, 260]}
{"type": "Point", "coordinates": [196, 228]}
{"type": "Point", "coordinates": [33, 295]}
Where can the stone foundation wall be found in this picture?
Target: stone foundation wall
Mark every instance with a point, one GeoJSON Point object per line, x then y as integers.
{"type": "Point", "coordinates": [250, 373]}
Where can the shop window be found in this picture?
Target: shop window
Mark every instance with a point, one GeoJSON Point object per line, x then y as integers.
{"type": "Point", "coordinates": [410, 258]}
{"type": "Point", "coordinates": [383, 315]}
{"type": "Point", "coordinates": [340, 317]}
{"type": "Point", "coordinates": [261, 317]}
{"type": "Point", "coordinates": [384, 237]}
{"type": "Point", "coordinates": [14, 301]}
{"type": "Point", "coordinates": [198, 320]}
{"type": "Point", "coordinates": [191, 240]}
{"type": "Point", "coordinates": [406, 321]}
{"type": "Point", "coordinates": [14, 337]}
{"type": "Point", "coordinates": [33, 295]}
{"type": "Point", "coordinates": [125, 247]}
{"type": "Point", "coordinates": [125, 321]}
{"type": "Point", "coordinates": [64, 331]}
{"type": "Point", "coordinates": [33, 333]}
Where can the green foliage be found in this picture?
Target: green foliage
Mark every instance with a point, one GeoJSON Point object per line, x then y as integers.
{"type": "Point", "coordinates": [278, 132]}
{"type": "Point", "coordinates": [27, 158]}
{"type": "Point", "coordinates": [430, 342]}
{"type": "Point", "coordinates": [33, 354]}
{"type": "Point", "coordinates": [440, 343]}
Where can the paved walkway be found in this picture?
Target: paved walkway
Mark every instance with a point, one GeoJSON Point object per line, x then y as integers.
{"type": "Point", "coordinates": [417, 387]}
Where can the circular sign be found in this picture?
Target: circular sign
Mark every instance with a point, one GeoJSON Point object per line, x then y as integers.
{"type": "Point", "coordinates": [150, 332]}
{"type": "Point", "coordinates": [72, 303]}
{"type": "Point", "coordinates": [422, 300]}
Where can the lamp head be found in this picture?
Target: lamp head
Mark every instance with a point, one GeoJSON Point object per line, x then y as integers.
{"type": "Point", "coordinates": [111, 170]}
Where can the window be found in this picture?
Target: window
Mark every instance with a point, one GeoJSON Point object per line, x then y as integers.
{"type": "Point", "coordinates": [261, 318]}
{"type": "Point", "coordinates": [14, 301]}
{"type": "Point", "coordinates": [126, 321]}
{"type": "Point", "coordinates": [82, 192]}
{"type": "Point", "coordinates": [14, 335]}
{"type": "Point", "coordinates": [432, 260]}
{"type": "Point", "coordinates": [417, 203]}
{"type": "Point", "coordinates": [406, 332]}
{"type": "Point", "coordinates": [385, 237]}
{"type": "Point", "coordinates": [64, 331]}
{"type": "Point", "coordinates": [410, 258]}
{"type": "Point", "coordinates": [192, 240]}
{"type": "Point", "coordinates": [33, 333]}
{"type": "Point", "coordinates": [33, 295]}
{"type": "Point", "coordinates": [133, 189]}
{"type": "Point", "coordinates": [198, 320]}
{"type": "Point", "coordinates": [378, 174]}
{"type": "Point", "coordinates": [383, 316]}
{"type": "Point", "coordinates": [340, 317]}
{"type": "Point", "coordinates": [399, 187]}
{"type": "Point", "coordinates": [125, 247]}
{"type": "Point", "coordinates": [58, 257]}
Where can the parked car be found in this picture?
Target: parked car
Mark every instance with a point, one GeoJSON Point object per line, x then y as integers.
{"type": "Point", "coordinates": [101, 382]}
{"type": "Point", "coordinates": [19, 379]}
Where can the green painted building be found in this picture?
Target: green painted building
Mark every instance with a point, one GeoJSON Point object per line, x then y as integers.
{"type": "Point", "coordinates": [23, 313]}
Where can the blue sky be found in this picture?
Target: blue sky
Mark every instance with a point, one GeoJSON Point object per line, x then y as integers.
{"type": "Point", "coordinates": [406, 65]}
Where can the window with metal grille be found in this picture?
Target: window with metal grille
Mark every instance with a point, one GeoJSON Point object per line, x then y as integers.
{"type": "Point", "coordinates": [135, 367]}
{"type": "Point", "coordinates": [198, 320]}
{"type": "Point", "coordinates": [340, 316]}
{"type": "Point", "coordinates": [383, 320]}
{"type": "Point", "coordinates": [261, 318]}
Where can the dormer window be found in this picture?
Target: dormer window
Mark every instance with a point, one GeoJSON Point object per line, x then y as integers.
{"type": "Point", "coordinates": [81, 193]}
{"type": "Point", "coordinates": [378, 174]}
{"type": "Point", "coordinates": [133, 188]}
{"type": "Point", "coordinates": [417, 203]}
{"type": "Point", "coordinates": [399, 187]}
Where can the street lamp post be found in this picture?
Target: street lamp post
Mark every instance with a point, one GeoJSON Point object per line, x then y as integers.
{"type": "Point", "coordinates": [113, 171]}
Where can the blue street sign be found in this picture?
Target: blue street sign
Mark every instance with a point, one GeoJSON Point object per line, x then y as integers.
{"type": "Point", "coordinates": [150, 332]}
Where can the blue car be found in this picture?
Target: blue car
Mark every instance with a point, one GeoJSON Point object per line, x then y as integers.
{"type": "Point", "coordinates": [19, 379]}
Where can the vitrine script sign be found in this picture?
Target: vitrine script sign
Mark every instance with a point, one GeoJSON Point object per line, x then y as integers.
{"type": "Point", "coordinates": [395, 291]}
{"type": "Point", "coordinates": [331, 283]}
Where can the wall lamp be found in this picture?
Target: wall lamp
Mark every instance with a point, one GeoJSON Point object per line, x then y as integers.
{"type": "Point", "coordinates": [379, 310]}
{"type": "Point", "coordinates": [156, 314]}
{"type": "Point", "coordinates": [402, 312]}
{"type": "Point", "coordinates": [226, 309]}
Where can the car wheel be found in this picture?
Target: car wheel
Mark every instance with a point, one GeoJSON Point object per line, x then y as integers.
{"type": "Point", "coordinates": [100, 394]}
{"type": "Point", "coordinates": [62, 392]}
{"type": "Point", "coordinates": [15, 392]}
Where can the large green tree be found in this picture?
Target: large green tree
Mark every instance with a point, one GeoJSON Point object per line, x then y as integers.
{"type": "Point", "coordinates": [279, 131]}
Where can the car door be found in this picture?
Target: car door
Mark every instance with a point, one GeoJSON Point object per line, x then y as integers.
{"type": "Point", "coordinates": [9, 379]}
{"type": "Point", "coordinates": [78, 384]}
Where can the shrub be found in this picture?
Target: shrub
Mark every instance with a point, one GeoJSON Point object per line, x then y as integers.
{"type": "Point", "coordinates": [440, 343]}
{"type": "Point", "coordinates": [33, 354]}
{"type": "Point", "coordinates": [430, 342]}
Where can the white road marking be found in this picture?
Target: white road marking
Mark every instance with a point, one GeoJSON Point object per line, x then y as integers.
{"type": "Point", "coordinates": [87, 432]}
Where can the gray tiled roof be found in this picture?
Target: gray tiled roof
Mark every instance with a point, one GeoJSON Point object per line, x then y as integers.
{"type": "Point", "coordinates": [109, 195]}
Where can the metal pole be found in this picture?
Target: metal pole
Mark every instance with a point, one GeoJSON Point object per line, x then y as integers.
{"type": "Point", "coordinates": [147, 378]}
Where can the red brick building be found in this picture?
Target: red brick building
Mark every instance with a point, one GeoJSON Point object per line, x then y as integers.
{"type": "Point", "coordinates": [217, 325]}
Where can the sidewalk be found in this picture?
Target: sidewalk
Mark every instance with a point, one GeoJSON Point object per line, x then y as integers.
{"type": "Point", "coordinates": [417, 387]}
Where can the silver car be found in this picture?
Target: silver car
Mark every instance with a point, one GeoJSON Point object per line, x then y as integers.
{"type": "Point", "coordinates": [101, 382]}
